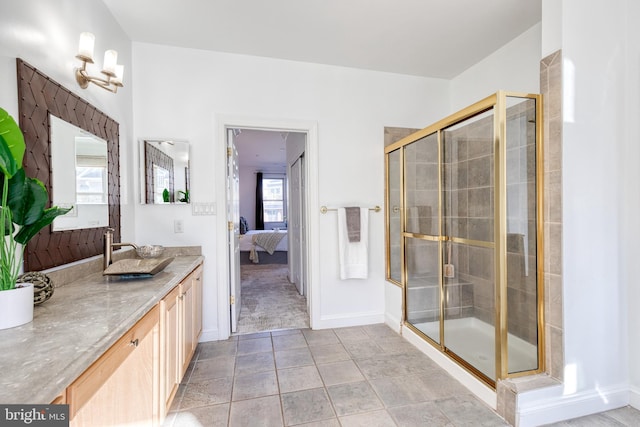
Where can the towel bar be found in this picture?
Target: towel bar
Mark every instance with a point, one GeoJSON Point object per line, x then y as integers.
{"type": "Point", "coordinates": [324, 209]}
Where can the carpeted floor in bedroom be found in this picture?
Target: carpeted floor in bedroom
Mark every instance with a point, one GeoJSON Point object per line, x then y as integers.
{"type": "Point", "coordinates": [269, 301]}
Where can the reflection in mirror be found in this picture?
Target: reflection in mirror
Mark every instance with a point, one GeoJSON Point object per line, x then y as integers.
{"type": "Point", "coordinates": [165, 174]}
{"type": "Point", "coordinates": [79, 176]}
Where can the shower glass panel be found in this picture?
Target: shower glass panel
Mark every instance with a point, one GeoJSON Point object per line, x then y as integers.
{"type": "Point", "coordinates": [468, 253]}
{"type": "Point", "coordinates": [394, 215]}
{"type": "Point", "coordinates": [521, 245]}
{"type": "Point", "coordinates": [421, 169]}
{"type": "Point", "coordinates": [423, 286]}
{"type": "Point", "coordinates": [422, 197]}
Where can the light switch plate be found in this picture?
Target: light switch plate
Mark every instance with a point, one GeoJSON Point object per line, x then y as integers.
{"type": "Point", "coordinates": [203, 208]}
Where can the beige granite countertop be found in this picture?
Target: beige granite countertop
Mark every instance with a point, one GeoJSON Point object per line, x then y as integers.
{"type": "Point", "coordinates": [78, 324]}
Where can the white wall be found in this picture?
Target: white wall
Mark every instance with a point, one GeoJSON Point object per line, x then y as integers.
{"type": "Point", "coordinates": [600, 204]}
{"type": "Point", "coordinates": [295, 146]}
{"type": "Point", "coordinates": [593, 194]}
{"type": "Point", "coordinates": [513, 67]}
{"type": "Point", "coordinates": [45, 34]}
{"type": "Point", "coordinates": [630, 236]}
{"type": "Point", "coordinates": [351, 108]}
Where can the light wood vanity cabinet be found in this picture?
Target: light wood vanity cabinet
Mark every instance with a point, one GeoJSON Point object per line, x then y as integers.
{"type": "Point", "coordinates": [123, 385]}
{"type": "Point", "coordinates": [192, 305]}
{"type": "Point", "coordinates": [135, 381]}
{"type": "Point", "coordinates": [170, 347]}
{"type": "Point", "coordinates": [181, 325]}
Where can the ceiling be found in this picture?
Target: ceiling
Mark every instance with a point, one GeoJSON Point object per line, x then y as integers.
{"type": "Point", "coordinates": [262, 151]}
{"type": "Point", "coordinates": [429, 38]}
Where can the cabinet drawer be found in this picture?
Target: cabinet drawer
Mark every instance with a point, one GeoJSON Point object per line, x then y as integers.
{"type": "Point", "coordinates": [99, 372]}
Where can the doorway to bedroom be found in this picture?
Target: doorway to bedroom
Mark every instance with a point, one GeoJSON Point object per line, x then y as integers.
{"type": "Point", "coordinates": [266, 188]}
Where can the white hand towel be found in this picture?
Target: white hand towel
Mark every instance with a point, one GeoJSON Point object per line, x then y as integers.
{"type": "Point", "coordinates": [353, 256]}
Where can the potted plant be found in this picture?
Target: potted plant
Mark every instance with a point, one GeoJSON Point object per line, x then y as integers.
{"type": "Point", "coordinates": [23, 214]}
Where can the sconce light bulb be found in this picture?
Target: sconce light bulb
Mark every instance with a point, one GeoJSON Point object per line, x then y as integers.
{"type": "Point", "coordinates": [85, 47]}
{"type": "Point", "coordinates": [117, 80]}
{"type": "Point", "coordinates": [110, 62]}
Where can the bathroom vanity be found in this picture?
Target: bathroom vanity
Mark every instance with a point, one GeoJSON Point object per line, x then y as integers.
{"type": "Point", "coordinates": [104, 342]}
{"type": "Point", "coordinates": [113, 348]}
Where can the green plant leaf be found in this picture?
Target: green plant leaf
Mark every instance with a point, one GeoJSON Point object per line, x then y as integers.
{"type": "Point", "coordinates": [27, 199]}
{"type": "Point", "coordinates": [8, 225]}
{"type": "Point", "coordinates": [28, 231]}
{"type": "Point", "coordinates": [12, 144]}
{"type": "Point", "coordinates": [8, 164]}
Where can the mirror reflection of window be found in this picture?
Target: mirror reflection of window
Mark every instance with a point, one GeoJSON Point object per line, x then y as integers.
{"type": "Point", "coordinates": [73, 149]}
{"type": "Point", "coordinates": [161, 185]}
{"type": "Point", "coordinates": [91, 180]}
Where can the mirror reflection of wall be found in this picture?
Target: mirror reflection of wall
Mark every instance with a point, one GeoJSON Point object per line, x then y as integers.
{"type": "Point", "coordinates": [79, 170]}
{"type": "Point", "coordinates": [164, 166]}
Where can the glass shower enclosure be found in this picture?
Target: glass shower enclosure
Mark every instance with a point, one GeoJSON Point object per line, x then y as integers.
{"type": "Point", "coordinates": [464, 218]}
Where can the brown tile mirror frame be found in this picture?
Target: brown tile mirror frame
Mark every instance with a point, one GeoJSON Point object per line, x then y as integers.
{"type": "Point", "coordinates": [39, 96]}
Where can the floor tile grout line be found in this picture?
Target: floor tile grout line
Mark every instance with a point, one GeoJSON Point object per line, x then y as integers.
{"type": "Point", "coordinates": [275, 367]}
{"type": "Point", "coordinates": [233, 379]}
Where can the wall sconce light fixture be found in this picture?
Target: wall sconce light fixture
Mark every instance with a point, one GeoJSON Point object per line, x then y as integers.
{"type": "Point", "coordinates": [112, 71]}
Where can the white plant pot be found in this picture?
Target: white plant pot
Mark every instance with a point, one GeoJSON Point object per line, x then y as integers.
{"type": "Point", "coordinates": [16, 306]}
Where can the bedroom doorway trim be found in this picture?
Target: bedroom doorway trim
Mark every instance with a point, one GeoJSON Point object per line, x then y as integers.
{"type": "Point", "coordinates": [223, 122]}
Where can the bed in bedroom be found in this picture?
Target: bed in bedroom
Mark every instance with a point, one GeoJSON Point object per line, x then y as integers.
{"type": "Point", "coordinates": [270, 246]}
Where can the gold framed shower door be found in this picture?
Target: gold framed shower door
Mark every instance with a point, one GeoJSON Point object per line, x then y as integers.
{"type": "Point", "coordinates": [417, 243]}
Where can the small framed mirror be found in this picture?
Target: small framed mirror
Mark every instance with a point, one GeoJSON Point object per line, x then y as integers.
{"type": "Point", "coordinates": [164, 171]}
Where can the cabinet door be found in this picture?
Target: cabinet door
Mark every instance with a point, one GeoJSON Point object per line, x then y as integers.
{"type": "Point", "coordinates": [186, 300]}
{"type": "Point", "coordinates": [197, 305]}
{"type": "Point", "coordinates": [121, 388]}
{"type": "Point", "coordinates": [170, 347]}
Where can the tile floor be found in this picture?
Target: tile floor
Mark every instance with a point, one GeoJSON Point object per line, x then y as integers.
{"type": "Point", "coordinates": [359, 376]}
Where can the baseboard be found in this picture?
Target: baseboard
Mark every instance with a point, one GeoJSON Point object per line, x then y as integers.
{"type": "Point", "coordinates": [210, 335]}
{"type": "Point", "coordinates": [346, 320]}
{"type": "Point", "coordinates": [634, 397]}
{"type": "Point", "coordinates": [558, 408]}
{"type": "Point", "coordinates": [393, 322]}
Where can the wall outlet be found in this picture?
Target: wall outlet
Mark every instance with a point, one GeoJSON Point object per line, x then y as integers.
{"type": "Point", "coordinates": [178, 226]}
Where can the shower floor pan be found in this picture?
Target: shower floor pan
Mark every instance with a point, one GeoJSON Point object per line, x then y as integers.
{"type": "Point", "coordinates": [473, 340]}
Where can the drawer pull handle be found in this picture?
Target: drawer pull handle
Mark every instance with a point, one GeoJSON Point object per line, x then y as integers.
{"type": "Point", "coordinates": [134, 343]}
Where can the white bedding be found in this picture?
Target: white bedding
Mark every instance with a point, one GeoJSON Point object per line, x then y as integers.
{"type": "Point", "coordinates": [246, 244]}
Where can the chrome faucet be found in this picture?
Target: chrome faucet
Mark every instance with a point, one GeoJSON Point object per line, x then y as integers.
{"type": "Point", "coordinates": [108, 247]}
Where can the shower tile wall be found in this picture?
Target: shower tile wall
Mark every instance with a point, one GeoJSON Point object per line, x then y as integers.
{"type": "Point", "coordinates": [551, 87]}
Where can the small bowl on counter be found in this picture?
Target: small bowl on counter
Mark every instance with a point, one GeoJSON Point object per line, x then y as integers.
{"type": "Point", "coordinates": [150, 251]}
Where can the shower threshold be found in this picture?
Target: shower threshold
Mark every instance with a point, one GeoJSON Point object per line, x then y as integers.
{"type": "Point", "coordinates": [474, 341]}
